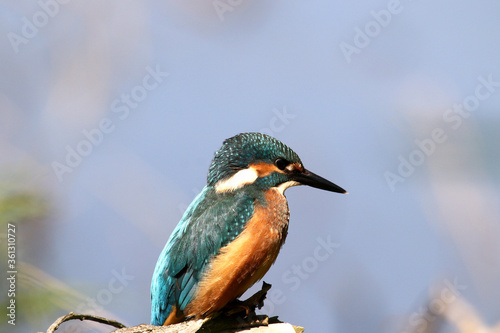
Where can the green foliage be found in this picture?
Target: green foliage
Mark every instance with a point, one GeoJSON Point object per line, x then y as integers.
{"type": "Point", "coordinates": [20, 206]}
{"type": "Point", "coordinates": [20, 202]}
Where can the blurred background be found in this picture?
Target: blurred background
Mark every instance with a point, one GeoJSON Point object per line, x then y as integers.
{"type": "Point", "coordinates": [110, 113]}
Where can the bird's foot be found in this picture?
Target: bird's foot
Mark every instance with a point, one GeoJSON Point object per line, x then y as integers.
{"type": "Point", "coordinates": [242, 314]}
{"type": "Point", "coordinates": [256, 301]}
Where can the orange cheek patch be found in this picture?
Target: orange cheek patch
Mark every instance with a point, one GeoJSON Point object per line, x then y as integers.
{"type": "Point", "coordinates": [264, 169]}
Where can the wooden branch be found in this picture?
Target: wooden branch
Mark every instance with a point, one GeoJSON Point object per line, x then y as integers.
{"type": "Point", "coordinates": [194, 327]}
{"type": "Point", "coordinates": [73, 316]}
{"type": "Point", "coordinates": [220, 324]}
{"type": "Point", "coordinates": [238, 316]}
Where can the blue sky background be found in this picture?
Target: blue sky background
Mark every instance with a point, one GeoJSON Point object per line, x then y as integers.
{"type": "Point", "coordinates": [67, 69]}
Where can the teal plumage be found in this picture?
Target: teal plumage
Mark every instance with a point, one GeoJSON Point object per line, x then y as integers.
{"type": "Point", "coordinates": [202, 231]}
{"type": "Point", "coordinates": [217, 216]}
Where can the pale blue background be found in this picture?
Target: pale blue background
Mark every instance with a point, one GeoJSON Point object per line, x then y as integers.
{"type": "Point", "coordinates": [351, 122]}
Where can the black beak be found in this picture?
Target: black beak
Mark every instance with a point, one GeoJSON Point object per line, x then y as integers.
{"type": "Point", "coordinates": [308, 178]}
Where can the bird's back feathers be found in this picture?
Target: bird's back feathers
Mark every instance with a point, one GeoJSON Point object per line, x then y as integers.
{"type": "Point", "coordinates": [201, 233]}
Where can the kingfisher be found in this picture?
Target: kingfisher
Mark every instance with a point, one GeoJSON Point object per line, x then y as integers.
{"type": "Point", "coordinates": [231, 233]}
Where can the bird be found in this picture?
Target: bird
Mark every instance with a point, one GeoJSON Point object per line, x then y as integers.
{"type": "Point", "coordinates": [232, 232]}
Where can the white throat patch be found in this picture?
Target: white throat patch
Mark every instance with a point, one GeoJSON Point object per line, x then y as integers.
{"type": "Point", "coordinates": [282, 187]}
{"type": "Point", "coordinates": [236, 181]}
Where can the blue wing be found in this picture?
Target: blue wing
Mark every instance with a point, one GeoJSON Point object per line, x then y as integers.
{"type": "Point", "coordinates": [209, 223]}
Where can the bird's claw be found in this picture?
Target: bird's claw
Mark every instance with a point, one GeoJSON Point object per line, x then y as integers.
{"type": "Point", "coordinates": [256, 301]}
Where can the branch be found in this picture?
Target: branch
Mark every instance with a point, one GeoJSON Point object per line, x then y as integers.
{"type": "Point", "coordinates": [236, 317]}
{"type": "Point", "coordinates": [196, 326]}
{"type": "Point", "coordinates": [73, 316]}
{"type": "Point", "coordinates": [222, 323]}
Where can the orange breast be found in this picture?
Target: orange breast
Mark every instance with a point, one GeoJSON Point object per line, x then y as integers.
{"type": "Point", "coordinates": [245, 260]}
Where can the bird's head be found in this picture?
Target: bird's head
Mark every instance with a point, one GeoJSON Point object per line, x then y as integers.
{"type": "Point", "coordinates": [260, 160]}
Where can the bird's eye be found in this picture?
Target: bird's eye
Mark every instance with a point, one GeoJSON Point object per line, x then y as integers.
{"type": "Point", "coordinates": [281, 163]}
